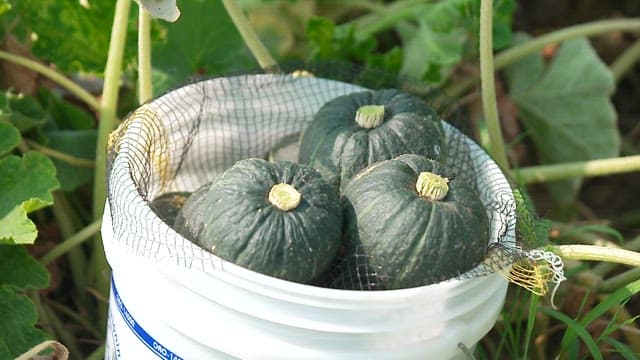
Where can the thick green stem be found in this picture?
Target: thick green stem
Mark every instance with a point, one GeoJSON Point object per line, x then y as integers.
{"type": "Point", "coordinates": [145, 87]}
{"type": "Point", "coordinates": [596, 253]}
{"type": "Point", "coordinates": [600, 167]}
{"type": "Point", "coordinates": [71, 242]}
{"type": "Point", "coordinates": [489, 103]}
{"type": "Point", "coordinates": [385, 20]}
{"type": "Point", "coordinates": [59, 155]}
{"type": "Point", "coordinates": [72, 87]}
{"type": "Point", "coordinates": [99, 266]}
{"type": "Point", "coordinates": [65, 217]}
{"type": "Point", "coordinates": [257, 48]}
{"type": "Point", "coordinates": [604, 268]}
{"type": "Point", "coordinates": [520, 51]}
{"type": "Point", "coordinates": [625, 62]}
{"type": "Point", "coordinates": [614, 283]}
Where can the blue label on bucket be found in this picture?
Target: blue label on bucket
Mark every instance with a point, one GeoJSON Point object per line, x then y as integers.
{"type": "Point", "coordinates": [140, 333]}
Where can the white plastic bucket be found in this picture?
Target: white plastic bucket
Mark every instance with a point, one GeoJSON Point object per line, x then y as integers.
{"type": "Point", "coordinates": [176, 313]}
{"type": "Point", "coordinates": [173, 300]}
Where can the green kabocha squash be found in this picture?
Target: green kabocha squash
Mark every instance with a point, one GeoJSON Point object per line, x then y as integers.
{"type": "Point", "coordinates": [167, 205]}
{"type": "Point", "coordinates": [353, 131]}
{"type": "Point", "coordinates": [415, 223]}
{"type": "Point", "coordinates": [280, 219]}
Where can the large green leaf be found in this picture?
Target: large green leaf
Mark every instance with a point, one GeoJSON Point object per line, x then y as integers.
{"type": "Point", "coordinates": [204, 41]}
{"type": "Point", "coordinates": [9, 137]}
{"type": "Point", "coordinates": [18, 272]}
{"type": "Point", "coordinates": [26, 184]}
{"type": "Point", "coordinates": [566, 108]}
{"type": "Point", "coordinates": [72, 36]}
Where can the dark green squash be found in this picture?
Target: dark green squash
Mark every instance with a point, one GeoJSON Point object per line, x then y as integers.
{"type": "Point", "coordinates": [167, 205]}
{"type": "Point", "coordinates": [280, 219]}
{"type": "Point", "coordinates": [353, 131]}
{"type": "Point", "coordinates": [415, 228]}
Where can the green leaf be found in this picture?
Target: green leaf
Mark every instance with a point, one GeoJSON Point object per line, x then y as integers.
{"type": "Point", "coordinates": [567, 110]}
{"type": "Point", "coordinates": [578, 329]}
{"type": "Point", "coordinates": [17, 328]}
{"type": "Point", "coordinates": [24, 112]}
{"type": "Point", "coordinates": [431, 53]}
{"type": "Point", "coordinates": [446, 33]}
{"type": "Point", "coordinates": [9, 137]}
{"type": "Point", "coordinates": [26, 184]}
{"type": "Point", "coordinates": [319, 33]}
{"type": "Point", "coordinates": [19, 272]}
{"type": "Point", "coordinates": [615, 299]}
{"type": "Point", "coordinates": [622, 349]}
{"type": "Point", "coordinates": [328, 41]}
{"type": "Point", "coordinates": [72, 36]}
{"type": "Point", "coordinates": [207, 44]}
{"type": "Point", "coordinates": [79, 143]}
{"type": "Point", "coordinates": [65, 115]}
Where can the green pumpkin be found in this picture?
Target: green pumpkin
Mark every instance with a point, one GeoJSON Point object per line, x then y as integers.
{"type": "Point", "coordinates": [353, 131]}
{"type": "Point", "coordinates": [415, 223]}
{"type": "Point", "coordinates": [280, 219]}
{"type": "Point", "coordinates": [167, 205]}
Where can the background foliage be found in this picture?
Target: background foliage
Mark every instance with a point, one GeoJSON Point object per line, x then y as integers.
{"type": "Point", "coordinates": [567, 102]}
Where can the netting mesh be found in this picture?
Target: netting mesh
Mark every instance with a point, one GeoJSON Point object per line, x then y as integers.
{"type": "Point", "coordinates": [183, 139]}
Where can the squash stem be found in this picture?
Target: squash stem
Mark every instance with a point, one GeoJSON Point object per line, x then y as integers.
{"type": "Point", "coordinates": [513, 54]}
{"type": "Point", "coordinates": [432, 186]}
{"type": "Point", "coordinates": [145, 87]}
{"type": "Point", "coordinates": [284, 196]}
{"type": "Point", "coordinates": [108, 117]}
{"type": "Point", "coordinates": [251, 39]}
{"type": "Point", "coordinates": [71, 86]}
{"type": "Point", "coordinates": [600, 167]}
{"type": "Point", "coordinates": [489, 103]}
{"type": "Point", "coordinates": [626, 61]}
{"type": "Point", "coordinates": [370, 116]}
{"type": "Point", "coordinates": [596, 253]}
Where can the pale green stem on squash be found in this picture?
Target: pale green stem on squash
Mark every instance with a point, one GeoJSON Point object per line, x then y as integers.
{"type": "Point", "coordinates": [600, 167]}
{"type": "Point", "coordinates": [432, 186]}
{"type": "Point", "coordinates": [284, 196]}
{"type": "Point", "coordinates": [251, 39]}
{"type": "Point", "coordinates": [107, 122]}
{"type": "Point", "coordinates": [370, 116]}
{"type": "Point", "coordinates": [145, 87]}
{"type": "Point", "coordinates": [596, 253]}
{"type": "Point", "coordinates": [489, 103]}
{"type": "Point", "coordinates": [626, 61]}
{"type": "Point", "coordinates": [515, 53]}
{"type": "Point", "coordinates": [72, 87]}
